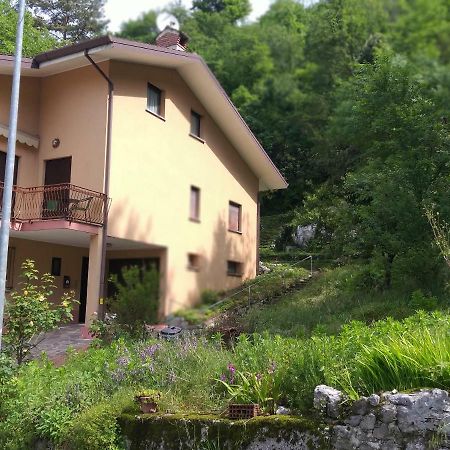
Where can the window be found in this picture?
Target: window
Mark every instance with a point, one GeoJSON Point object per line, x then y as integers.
{"type": "Point", "coordinates": [235, 217]}
{"type": "Point", "coordinates": [195, 124]}
{"type": "Point", "coordinates": [56, 267]}
{"type": "Point", "coordinates": [154, 100]}
{"type": "Point", "coordinates": [193, 262]}
{"type": "Point", "coordinates": [234, 268]}
{"type": "Point", "coordinates": [194, 213]}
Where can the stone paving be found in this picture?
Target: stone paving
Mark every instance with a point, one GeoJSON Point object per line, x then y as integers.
{"type": "Point", "coordinates": [56, 343]}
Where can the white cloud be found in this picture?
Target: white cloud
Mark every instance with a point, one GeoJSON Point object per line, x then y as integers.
{"type": "Point", "coordinates": [118, 11]}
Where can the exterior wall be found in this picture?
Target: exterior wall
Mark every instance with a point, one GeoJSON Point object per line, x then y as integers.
{"type": "Point", "coordinates": [74, 109]}
{"type": "Point", "coordinates": [42, 253]}
{"type": "Point", "coordinates": [154, 164]}
{"type": "Point", "coordinates": [28, 106]}
{"type": "Point", "coordinates": [71, 106]}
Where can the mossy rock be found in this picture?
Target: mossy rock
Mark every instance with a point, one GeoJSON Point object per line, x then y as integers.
{"type": "Point", "coordinates": [197, 432]}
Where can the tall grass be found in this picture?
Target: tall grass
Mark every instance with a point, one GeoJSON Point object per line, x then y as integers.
{"type": "Point", "coordinates": [328, 303]}
{"type": "Point", "coordinates": [68, 403]}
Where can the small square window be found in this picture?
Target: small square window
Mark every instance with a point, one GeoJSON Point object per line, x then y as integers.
{"type": "Point", "coordinates": [194, 213]}
{"type": "Point", "coordinates": [196, 119]}
{"type": "Point", "coordinates": [56, 267]}
{"type": "Point", "coordinates": [234, 268]}
{"type": "Point", "coordinates": [193, 262]}
{"type": "Point", "coordinates": [235, 217]}
{"type": "Point", "coordinates": [154, 100]}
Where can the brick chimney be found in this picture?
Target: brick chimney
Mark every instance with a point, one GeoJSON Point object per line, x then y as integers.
{"type": "Point", "coordinates": [173, 39]}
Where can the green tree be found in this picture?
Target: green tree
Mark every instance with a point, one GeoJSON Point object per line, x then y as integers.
{"type": "Point", "coordinates": [70, 20]}
{"type": "Point", "coordinates": [34, 40]}
{"type": "Point", "coordinates": [142, 29]}
{"type": "Point", "coordinates": [394, 155]}
{"type": "Point", "coordinates": [234, 10]}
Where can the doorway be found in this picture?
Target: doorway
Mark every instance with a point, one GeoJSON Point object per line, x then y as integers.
{"type": "Point", "coordinates": [56, 200]}
{"type": "Point", "coordinates": [83, 289]}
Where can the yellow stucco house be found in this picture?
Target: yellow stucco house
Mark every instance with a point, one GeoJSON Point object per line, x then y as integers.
{"type": "Point", "coordinates": [132, 151]}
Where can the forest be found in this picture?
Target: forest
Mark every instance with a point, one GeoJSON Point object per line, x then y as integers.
{"type": "Point", "coordinates": [350, 98]}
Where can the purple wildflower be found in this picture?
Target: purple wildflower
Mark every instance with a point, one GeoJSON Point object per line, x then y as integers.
{"type": "Point", "coordinates": [149, 351]}
{"type": "Point", "coordinates": [123, 361]}
{"type": "Point", "coordinates": [231, 368]}
{"type": "Point", "coordinates": [272, 367]}
{"type": "Point", "coordinates": [223, 377]}
{"type": "Point", "coordinates": [258, 377]}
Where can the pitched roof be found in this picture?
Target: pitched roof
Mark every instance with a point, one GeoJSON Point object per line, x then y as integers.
{"type": "Point", "coordinates": [191, 68]}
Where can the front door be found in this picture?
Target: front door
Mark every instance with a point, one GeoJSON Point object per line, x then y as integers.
{"type": "Point", "coordinates": [83, 289]}
{"type": "Point", "coordinates": [56, 199]}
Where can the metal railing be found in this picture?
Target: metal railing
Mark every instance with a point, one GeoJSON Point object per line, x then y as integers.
{"type": "Point", "coordinates": [58, 201]}
{"type": "Point", "coordinates": [249, 287]}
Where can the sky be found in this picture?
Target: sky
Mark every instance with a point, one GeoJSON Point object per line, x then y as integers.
{"type": "Point", "coordinates": [118, 11]}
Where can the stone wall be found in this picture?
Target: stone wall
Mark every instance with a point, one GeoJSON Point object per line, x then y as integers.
{"type": "Point", "coordinates": [392, 421]}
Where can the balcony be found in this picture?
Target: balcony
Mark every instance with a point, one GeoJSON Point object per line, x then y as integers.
{"type": "Point", "coordinates": [58, 202]}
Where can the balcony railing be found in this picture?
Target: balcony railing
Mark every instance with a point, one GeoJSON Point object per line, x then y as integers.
{"type": "Point", "coordinates": [58, 201]}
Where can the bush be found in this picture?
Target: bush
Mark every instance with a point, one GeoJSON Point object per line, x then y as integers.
{"type": "Point", "coordinates": [209, 297]}
{"type": "Point", "coordinates": [96, 428]}
{"type": "Point", "coordinates": [136, 301]}
{"type": "Point", "coordinates": [29, 312]}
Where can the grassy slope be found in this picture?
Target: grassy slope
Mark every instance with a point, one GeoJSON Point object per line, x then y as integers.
{"type": "Point", "coordinates": [327, 303]}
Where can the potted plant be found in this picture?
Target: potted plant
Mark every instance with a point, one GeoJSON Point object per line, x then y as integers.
{"type": "Point", "coordinates": [148, 401]}
{"type": "Point", "coordinates": [249, 393]}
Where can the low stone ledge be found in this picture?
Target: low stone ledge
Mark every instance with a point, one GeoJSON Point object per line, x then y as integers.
{"type": "Point", "coordinates": [180, 432]}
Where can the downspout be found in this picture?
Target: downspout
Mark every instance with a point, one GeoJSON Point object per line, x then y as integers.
{"type": "Point", "coordinates": [102, 288]}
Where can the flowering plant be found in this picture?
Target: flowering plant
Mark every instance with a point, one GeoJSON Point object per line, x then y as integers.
{"type": "Point", "coordinates": [248, 387]}
{"type": "Point", "coordinates": [29, 312]}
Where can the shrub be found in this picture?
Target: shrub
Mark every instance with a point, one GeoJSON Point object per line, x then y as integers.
{"type": "Point", "coordinates": [96, 428]}
{"type": "Point", "coordinates": [136, 301]}
{"type": "Point", "coordinates": [209, 297]}
{"type": "Point", "coordinates": [419, 301]}
{"type": "Point", "coordinates": [29, 312]}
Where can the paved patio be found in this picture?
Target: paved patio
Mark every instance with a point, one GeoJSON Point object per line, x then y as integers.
{"type": "Point", "coordinates": [56, 343]}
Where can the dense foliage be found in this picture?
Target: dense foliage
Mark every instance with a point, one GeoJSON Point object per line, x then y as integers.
{"type": "Point", "coordinates": [70, 20]}
{"type": "Point", "coordinates": [76, 405]}
{"type": "Point", "coordinates": [35, 40]}
{"type": "Point", "coordinates": [29, 312]}
{"type": "Point", "coordinates": [350, 98]}
{"type": "Point", "coordinates": [135, 302]}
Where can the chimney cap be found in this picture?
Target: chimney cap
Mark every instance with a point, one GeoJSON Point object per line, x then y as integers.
{"type": "Point", "coordinates": [172, 38]}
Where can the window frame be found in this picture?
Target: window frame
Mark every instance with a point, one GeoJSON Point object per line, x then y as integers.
{"type": "Point", "coordinates": [235, 273]}
{"type": "Point", "coordinates": [161, 110]}
{"type": "Point", "coordinates": [194, 262]}
{"type": "Point", "coordinates": [197, 216]}
{"type": "Point", "coordinates": [239, 206]}
{"type": "Point", "coordinates": [198, 116]}
{"type": "Point", "coordinates": [56, 266]}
